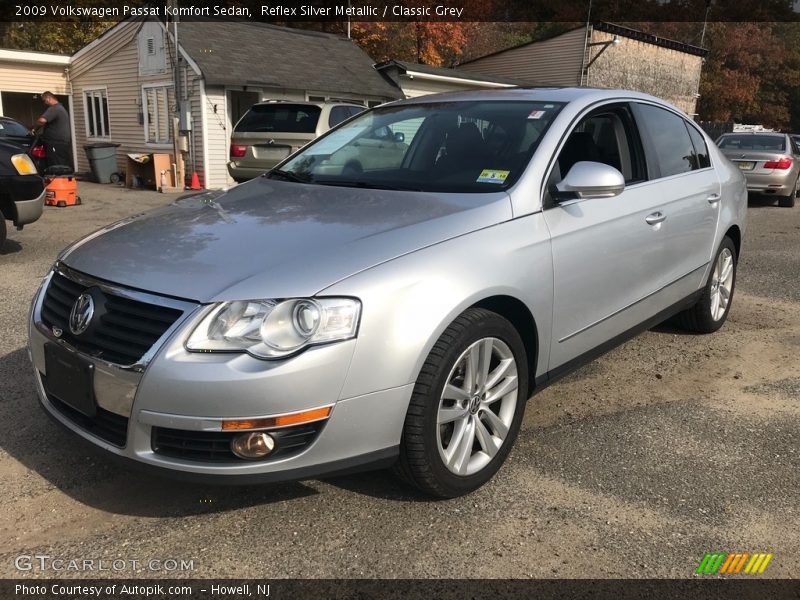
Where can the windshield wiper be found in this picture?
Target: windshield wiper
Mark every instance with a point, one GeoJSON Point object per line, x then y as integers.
{"type": "Point", "coordinates": [365, 185]}
{"type": "Point", "coordinates": [287, 175]}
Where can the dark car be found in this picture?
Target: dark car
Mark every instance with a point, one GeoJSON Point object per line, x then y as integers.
{"type": "Point", "coordinates": [21, 188]}
{"type": "Point", "coordinates": [14, 131]}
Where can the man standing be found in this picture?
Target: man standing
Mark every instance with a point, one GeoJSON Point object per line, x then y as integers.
{"type": "Point", "coordinates": [56, 134]}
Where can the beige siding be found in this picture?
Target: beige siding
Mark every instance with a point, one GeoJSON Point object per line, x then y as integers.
{"type": "Point", "coordinates": [217, 133]}
{"type": "Point", "coordinates": [112, 63]}
{"type": "Point", "coordinates": [18, 77]}
{"type": "Point", "coordinates": [556, 61]}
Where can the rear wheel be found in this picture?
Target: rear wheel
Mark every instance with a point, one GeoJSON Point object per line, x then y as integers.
{"type": "Point", "coordinates": [711, 310]}
{"type": "Point", "coordinates": [2, 230]}
{"type": "Point", "coordinates": [788, 201]}
{"type": "Point", "coordinates": [466, 407]}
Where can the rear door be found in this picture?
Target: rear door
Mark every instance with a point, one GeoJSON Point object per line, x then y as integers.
{"type": "Point", "coordinates": [268, 133]}
{"type": "Point", "coordinates": [689, 193]}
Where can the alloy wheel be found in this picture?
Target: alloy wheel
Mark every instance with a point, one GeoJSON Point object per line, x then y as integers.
{"type": "Point", "coordinates": [721, 284]}
{"type": "Point", "coordinates": [477, 406]}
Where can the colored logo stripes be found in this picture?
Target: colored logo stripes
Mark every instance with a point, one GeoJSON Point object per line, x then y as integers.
{"type": "Point", "coordinates": [735, 563]}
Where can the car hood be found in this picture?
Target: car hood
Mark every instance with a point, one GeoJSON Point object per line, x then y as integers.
{"type": "Point", "coordinates": [274, 239]}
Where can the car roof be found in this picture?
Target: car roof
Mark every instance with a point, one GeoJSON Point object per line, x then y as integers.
{"type": "Point", "coordinates": [775, 133]}
{"type": "Point", "coordinates": [552, 94]}
{"type": "Point", "coordinates": [579, 96]}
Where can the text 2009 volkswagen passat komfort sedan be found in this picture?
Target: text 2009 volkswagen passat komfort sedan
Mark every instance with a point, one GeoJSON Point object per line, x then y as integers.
{"type": "Point", "coordinates": [393, 293]}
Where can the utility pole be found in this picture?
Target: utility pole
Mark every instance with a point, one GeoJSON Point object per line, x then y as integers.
{"type": "Point", "coordinates": [180, 168]}
{"type": "Point", "coordinates": [705, 22]}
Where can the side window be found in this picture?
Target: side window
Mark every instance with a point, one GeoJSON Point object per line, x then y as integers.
{"type": "Point", "coordinates": [338, 114]}
{"type": "Point", "coordinates": [701, 160]}
{"type": "Point", "coordinates": [607, 136]}
{"type": "Point", "coordinates": [354, 110]}
{"type": "Point", "coordinates": [668, 139]}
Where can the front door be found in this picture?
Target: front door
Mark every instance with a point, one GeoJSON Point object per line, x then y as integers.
{"type": "Point", "coordinates": [605, 250]}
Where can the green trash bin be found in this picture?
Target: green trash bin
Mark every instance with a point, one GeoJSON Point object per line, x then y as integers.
{"type": "Point", "coordinates": [103, 160]}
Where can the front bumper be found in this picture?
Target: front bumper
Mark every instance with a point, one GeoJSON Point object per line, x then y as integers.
{"type": "Point", "coordinates": [23, 198]}
{"type": "Point", "coordinates": [193, 394]}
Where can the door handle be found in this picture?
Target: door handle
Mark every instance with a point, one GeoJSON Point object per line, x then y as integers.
{"type": "Point", "coordinates": [655, 218]}
{"type": "Point", "coordinates": [713, 198]}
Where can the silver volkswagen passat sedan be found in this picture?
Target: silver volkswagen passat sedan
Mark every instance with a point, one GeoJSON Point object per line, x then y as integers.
{"type": "Point", "coordinates": [349, 310]}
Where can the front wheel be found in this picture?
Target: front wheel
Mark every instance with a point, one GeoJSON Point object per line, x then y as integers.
{"type": "Point", "coordinates": [712, 308]}
{"type": "Point", "coordinates": [2, 230]}
{"type": "Point", "coordinates": [466, 407]}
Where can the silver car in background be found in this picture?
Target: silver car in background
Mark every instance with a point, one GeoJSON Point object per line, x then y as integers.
{"type": "Point", "coordinates": [770, 163]}
{"type": "Point", "coordinates": [362, 307]}
{"type": "Point", "coordinates": [270, 131]}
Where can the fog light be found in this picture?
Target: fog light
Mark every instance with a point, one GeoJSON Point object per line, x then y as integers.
{"type": "Point", "coordinates": [253, 445]}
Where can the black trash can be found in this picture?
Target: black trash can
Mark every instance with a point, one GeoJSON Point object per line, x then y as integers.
{"type": "Point", "coordinates": [103, 160]}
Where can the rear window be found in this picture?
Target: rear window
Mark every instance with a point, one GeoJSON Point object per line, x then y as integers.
{"type": "Point", "coordinates": [12, 128]}
{"type": "Point", "coordinates": [753, 142]}
{"type": "Point", "coordinates": [286, 118]}
{"type": "Point", "coordinates": [341, 113]}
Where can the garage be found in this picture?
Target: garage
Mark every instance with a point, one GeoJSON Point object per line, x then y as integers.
{"type": "Point", "coordinates": [24, 76]}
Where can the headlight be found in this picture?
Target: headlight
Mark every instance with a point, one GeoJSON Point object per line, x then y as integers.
{"type": "Point", "coordinates": [275, 328]}
{"type": "Point", "coordinates": [23, 164]}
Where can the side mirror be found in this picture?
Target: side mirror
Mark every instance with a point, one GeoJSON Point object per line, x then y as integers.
{"type": "Point", "coordinates": [399, 137]}
{"type": "Point", "coordinates": [590, 180]}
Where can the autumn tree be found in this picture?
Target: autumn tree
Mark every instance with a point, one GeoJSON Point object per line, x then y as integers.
{"type": "Point", "coordinates": [63, 37]}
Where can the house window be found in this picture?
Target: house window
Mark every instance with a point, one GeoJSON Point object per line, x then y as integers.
{"type": "Point", "coordinates": [97, 122]}
{"type": "Point", "coordinates": [159, 104]}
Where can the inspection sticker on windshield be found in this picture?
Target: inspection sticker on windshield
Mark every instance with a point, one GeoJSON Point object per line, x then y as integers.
{"type": "Point", "coordinates": [492, 176]}
{"type": "Point", "coordinates": [536, 114]}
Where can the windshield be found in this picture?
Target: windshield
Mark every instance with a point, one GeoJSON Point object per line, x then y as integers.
{"type": "Point", "coordinates": [479, 146]}
{"type": "Point", "coordinates": [285, 118]}
{"type": "Point", "coordinates": [753, 142]}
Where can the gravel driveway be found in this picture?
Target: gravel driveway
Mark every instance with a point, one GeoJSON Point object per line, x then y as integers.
{"type": "Point", "coordinates": [666, 448]}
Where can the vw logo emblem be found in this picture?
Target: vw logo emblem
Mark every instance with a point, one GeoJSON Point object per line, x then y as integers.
{"type": "Point", "coordinates": [81, 315]}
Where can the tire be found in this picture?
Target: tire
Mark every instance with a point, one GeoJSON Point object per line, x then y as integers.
{"type": "Point", "coordinates": [2, 230]}
{"type": "Point", "coordinates": [788, 201]}
{"type": "Point", "coordinates": [707, 315]}
{"type": "Point", "coordinates": [492, 426]}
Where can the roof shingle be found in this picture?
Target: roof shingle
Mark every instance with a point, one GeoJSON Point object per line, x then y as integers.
{"type": "Point", "coordinates": [259, 54]}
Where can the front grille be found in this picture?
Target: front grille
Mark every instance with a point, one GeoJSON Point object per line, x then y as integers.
{"type": "Point", "coordinates": [123, 329]}
{"type": "Point", "coordinates": [106, 425]}
{"type": "Point", "coordinates": [215, 446]}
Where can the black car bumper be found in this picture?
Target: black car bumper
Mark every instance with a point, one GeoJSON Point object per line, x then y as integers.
{"type": "Point", "coordinates": [22, 198]}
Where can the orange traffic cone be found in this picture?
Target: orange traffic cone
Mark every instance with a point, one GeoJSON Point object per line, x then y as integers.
{"type": "Point", "coordinates": [195, 182]}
